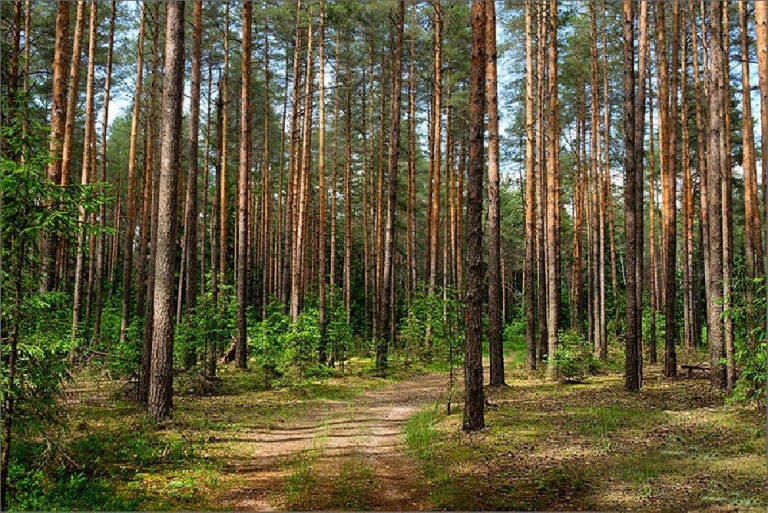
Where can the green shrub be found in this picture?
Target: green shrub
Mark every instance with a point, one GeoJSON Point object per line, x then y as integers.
{"type": "Point", "coordinates": [574, 359]}
{"type": "Point", "coordinates": [267, 343]}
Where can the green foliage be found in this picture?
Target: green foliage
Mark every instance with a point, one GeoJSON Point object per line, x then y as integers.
{"type": "Point", "coordinates": [431, 331]}
{"type": "Point", "coordinates": [279, 346]}
{"type": "Point", "coordinates": [207, 324]}
{"type": "Point", "coordinates": [338, 332]}
{"type": "Point", "coordinates": [750, 386]}
{"type": "Point", "coordinates": [751, 361]}
{"type": "Point", "coordinates": [266, 342]}
{"type": "Point", "coordinates": [302, 343]}
{"type": "Point", "coordinates": [574, 359]}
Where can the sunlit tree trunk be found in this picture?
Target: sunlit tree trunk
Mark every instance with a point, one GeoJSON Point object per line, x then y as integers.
{"type": "Point", "coordinates": [530, 193]}
{"type": "Point", "coordinates": [61, 58]}
{"type": "Point", "coordinates": [89, 149]}
{"type": "Point", "coordinates": [752, 230]}
{"type": "Point", "coordinates": [130, 211]}
{"type": "Point", "coordinates": [494, 227]}
{"type": "Point", "coordinates": [241, 346]}
{"type": "Point", "coordinates": [552, 249]}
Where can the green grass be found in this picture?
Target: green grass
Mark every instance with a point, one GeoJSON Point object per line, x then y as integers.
{"type": "Point", "coordinates": [354, 487]}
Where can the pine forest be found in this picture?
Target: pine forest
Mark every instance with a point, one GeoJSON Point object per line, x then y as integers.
{"type": "Point", "coordinates": [384, 255]}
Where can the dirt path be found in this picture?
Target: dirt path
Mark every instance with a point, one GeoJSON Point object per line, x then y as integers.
{"type": "Point", "coordinates": [361, 439]}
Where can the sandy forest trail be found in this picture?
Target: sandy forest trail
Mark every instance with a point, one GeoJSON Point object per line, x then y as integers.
{"type": "Point", "coordinates": [365, 432]}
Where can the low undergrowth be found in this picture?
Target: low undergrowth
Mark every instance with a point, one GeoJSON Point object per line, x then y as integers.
{"type": "Point", "coordinates": [674, 446]}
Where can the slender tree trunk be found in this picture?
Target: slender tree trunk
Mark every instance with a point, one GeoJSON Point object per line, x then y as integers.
{"type": "Point", "coordinates": [715, 88]}
{"type": "Point", "coordinates": [61, 58]}
{"type": "Point", "coordinates": [61, 257]}
{"type": "Point", "coordinates": [323, 273]}
{"type": "Point", "coordinates": [130, 211]}
{"type": "Point", "coordinates": [411, 209]}
{"type": "Point", "coordinates": [348, 197]}
{"type": "Point", "coordinates": [761, 30]}
{"type": "Point", "coordinates": [687, 204]}
{"type": "Point", "coordinates": [241, 344]}
{"type": "Point", "coordinates": [435, 157]}
{"type": "Point", "coordinates": [303, 187]}
{"type": "Point", "coordinates": [552, 249]}
{"type": "Point", "coordinates": [632, 367]}
{"type": "Point", "coordinates": [752, 230]}
{"type": "Point", "coordinates": [579, 182]}
{"type": "Point", "coordinates": [161, 373]}
{"type": "Point", "coordinates": [288, 239]}
{"type": "Point", "coordinates": [669, 207]}
{"type": "Point", "coordinates": [701, 168]}
{"type": "Point", "coordinates": [494, 227]}
{"type": "Point", "coordinates": [191, 210]}
{"type": "Point", "coordinates": [654, 272]}
{"type": "Point", "coordinates": [266, 202]}
{"type": "Point", "coordinates": [89, 149]}
{"type": "Point", "coordinates": [541, 195]}
{"type": "Point", "coordinates": [530, 193]}
{"type": "Point", "coordinates": [727, 206]}
{"type": "Point", "coordinates": [382, 348]}
{"type": "Point", "coordinates": [101, 246]}
{"type": "Point", "coordinates": [223, 209]}
{"type": "Point", "coordinates": [151, 205]}
{"type": "Point", "coordinates": [474, 398]}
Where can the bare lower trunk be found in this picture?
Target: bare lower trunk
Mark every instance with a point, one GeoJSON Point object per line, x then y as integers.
{"type": "Point", "coordinates": [161, 372]}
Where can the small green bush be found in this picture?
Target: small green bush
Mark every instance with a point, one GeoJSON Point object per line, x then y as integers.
{"type": "Point", "coordinates": [574, 359]}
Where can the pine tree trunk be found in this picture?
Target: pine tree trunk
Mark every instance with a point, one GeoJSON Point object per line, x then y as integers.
{"type": "Point", "coordinates": [715, 88]}
{"type": "Point", "coordinates": [321, 260]}
{"type": "Point", "coordinates": [752, 229]}
{"type": "Point", "coordinates": [241, 343]}
{"type": "Point", "coordinates": [161, 373]}
{"type": "Point", "coordinates": [632, 364]}
{"type": "Point", "coordinates": [474, 398]}
{"type": "Point", "coordinates": [89, 149]}
{"type": "Point", "coordinates": [222, 189]}
{"type": "Point", "coordinates": [530, 194]}
{"type": "Point", "coordinates": [552, 248]}
{"type": "Point", "coordinates": [494, 226]}
{"type": "Point", "coordinates": [101, 246]}
{"type": "Point", "coordinates": [191, 209]}
{"type": "Point", "coordinates": [385, 321]}
{"type": "Point", "coordinates": [130, 211]}
{"type": "Point", "coordinates": [61, 57]}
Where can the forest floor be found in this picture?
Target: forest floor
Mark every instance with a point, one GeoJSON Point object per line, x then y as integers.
{"type": "Point", "coordinates": [361, 442]}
